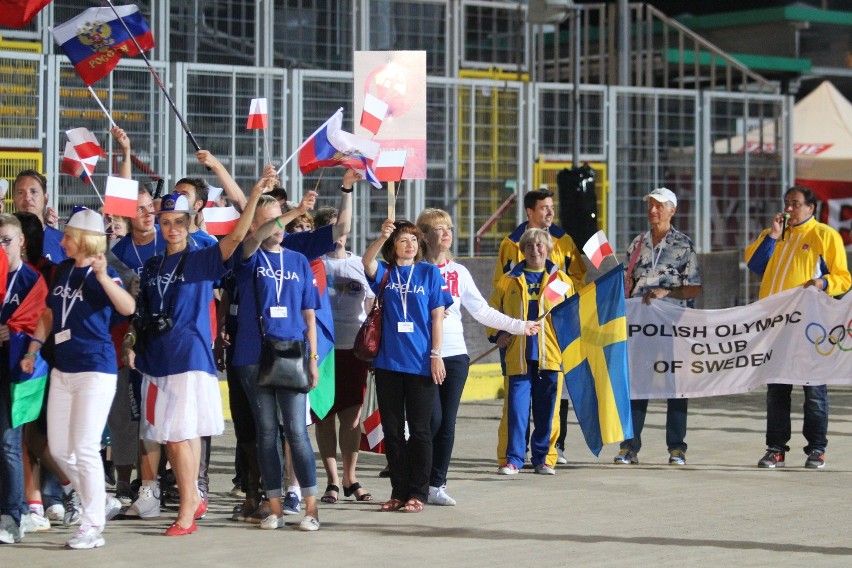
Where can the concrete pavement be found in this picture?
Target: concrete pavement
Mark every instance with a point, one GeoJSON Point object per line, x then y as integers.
{"type": "Point", "coordinates": [719, 510]}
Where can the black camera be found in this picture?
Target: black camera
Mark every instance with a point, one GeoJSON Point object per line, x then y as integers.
{"type": "Point", "coordinates": [157, 324]}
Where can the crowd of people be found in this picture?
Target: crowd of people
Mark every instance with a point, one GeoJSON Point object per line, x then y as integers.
{"type": "Point", "coordinates": [136, 317]}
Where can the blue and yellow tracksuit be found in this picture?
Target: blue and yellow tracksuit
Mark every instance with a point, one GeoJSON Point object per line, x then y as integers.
{"type": "Point", "coordinates": [511, 296]}
{"type": "Point", "coordinates": [811, 250]}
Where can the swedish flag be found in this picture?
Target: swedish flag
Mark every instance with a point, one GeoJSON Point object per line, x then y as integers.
{"type": "Point", "coordinates": [592, 331]}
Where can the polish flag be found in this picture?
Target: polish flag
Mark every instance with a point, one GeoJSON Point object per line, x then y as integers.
{"type": "Point", "coordinates": [85, 143]}
{"type": "Point", "coordinates": [372, 428]}
{"type": "Point", "coordinates": [389, 165]}
{"type": "Point", "coordinates": [258, 116]}
{"type": "Point", "coordinates": [73, 165]}
{"type": "Point", "coordinates": [121, 196]}
{"type": "Point", "coordinates": [597, 248]}
{"type": "Point", "coordinates": [555, 289]}
{"type": "Point", "coordinates": [375, 110]}
{"type": "Point", "coordinates": [221, 220]}
{"type": "Point", "coordinates": [213, 194]}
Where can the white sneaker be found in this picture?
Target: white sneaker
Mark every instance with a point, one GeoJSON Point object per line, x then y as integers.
{"type": "Point", "coordinates": [544, 469]}
{"type": "Point", "coordinates": [55, 513]}
{"type": "Point", "coordinates": [560, 456]}
{"type": "Point", "coordinates": [147, 505]}
{"type": "Point", "coordinates": [112, 507]}
{"type": "Point", "coordinates": [508, 469]}
{"type": "Point", "coordinates": [87, 537]}
{"type": "Point", "coordinates": [73, 508]}
{"type": "Point", "coordinates": [34, 522]}
{"type": "Point", "coordinates": [437, 496]}
{"type": "Point", "coordinates": [272, 522]}
{"type": "Point", "coordinates": [309, 523]}
{"type": "Point", "coordinates": [10, 533]}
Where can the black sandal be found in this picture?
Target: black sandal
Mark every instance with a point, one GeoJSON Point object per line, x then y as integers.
{"type": "Point", "coordinates": [350, 491]}
{"type": "Point", "coordinates": [331, 499]}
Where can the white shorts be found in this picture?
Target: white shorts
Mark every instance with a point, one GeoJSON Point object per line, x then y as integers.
{"type": "Point", "coordinates": [180, 407]}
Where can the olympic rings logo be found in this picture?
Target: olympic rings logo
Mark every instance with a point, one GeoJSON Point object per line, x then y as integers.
{"type": "Point", "coordinates": [824, 342]}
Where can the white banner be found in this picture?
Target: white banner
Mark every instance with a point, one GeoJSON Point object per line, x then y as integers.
{"type": "Point", "coordinates": [800, 337]}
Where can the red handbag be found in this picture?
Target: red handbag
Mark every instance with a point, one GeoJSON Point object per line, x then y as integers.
{"type": "Point", "coordinates": [369, 335]}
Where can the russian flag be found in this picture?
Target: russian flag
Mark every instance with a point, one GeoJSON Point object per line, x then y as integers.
{"type": "Point", "coordinates": [374, 113]}
{"type": "Point", "coordinates": [330, 146]}
{"type": "Point", "coordinates": [121, 196]}
{"type": "Point", "coordinates": [85, 143]}
{"type": "Point", "coordinates": [19, 13]}
{"type": "Point", "coordinates": [221, 220]}
{"type": "Point", "coordinates": [258, 115]}
{"type": "Point", "coordinates": [390, 165]}
{"type": "Point", "coordinates": [95, 40]}
{"type": "Point", "coordinates": [73, 165]}
{"type": "Point", "coordinates": [597, 248]}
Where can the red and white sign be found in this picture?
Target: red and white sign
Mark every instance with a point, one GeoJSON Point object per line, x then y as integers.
{"type": "Point", "coordinates": [390, 165]}
{"type": "Point", "coordinates": [221, 220]}
{"type": "Point", "coordinates": [258, 115]}
{"type": "Point", "coordinates": [121, 196]}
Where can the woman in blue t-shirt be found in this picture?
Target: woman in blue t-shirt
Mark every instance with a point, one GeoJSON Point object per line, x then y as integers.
{"type": "Point", "coordinates": [280, 284]}
{"type": "Point", "coordinates": [172, 338]}
{"type": "Point", "coordinates": [408, 364]}
{"type": "Point", "coordinates": [84, 294]}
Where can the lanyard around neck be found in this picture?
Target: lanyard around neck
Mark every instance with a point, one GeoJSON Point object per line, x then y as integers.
{"type": "Point", "coordinates": [11, 286]}
{"type": "Point", "coordinates": [163, 289]}
{"type": "Point", "coordinates": [66, 309]}
{"type": "Point", "coordinates": [279, 282]}
{"type": "Point", "coordinates": [662, 245]}
{"type": "Point", "coordinates": [141, 263]}
{"type": "Point", "coordinates": [403, 292]}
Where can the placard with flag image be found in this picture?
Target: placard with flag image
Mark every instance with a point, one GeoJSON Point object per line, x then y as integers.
{"type": "Point", "coordinates": [121, 196]}
{"type": "Point", "coordinates": [591, 328]}
{"type": "Point", "coordinates": [27, 390]}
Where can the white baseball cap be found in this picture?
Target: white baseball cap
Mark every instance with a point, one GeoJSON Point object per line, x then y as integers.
{"type": "Point", "coordinates": [662, 195]}
{"type": "Point", "coordinates": [87, 220]}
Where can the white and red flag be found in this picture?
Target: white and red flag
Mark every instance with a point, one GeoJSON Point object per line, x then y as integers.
{"type": "Point", "coordinates": [374, 112]}
{"type": "Point", "coordinates": [76, 166]}
{"type": "Point", "coordinates": [597, 248]}
{"type": "Point", "coordinates": [121, 196]}
{"type": "Point", "coordinates": [258, 115]}
{"type": "Point", "coordinates": [555, 289]}
{"type": "Point", "coordinates": [213, 194]}
{"type": "Point", "coordinates": [221, 220]}
{"type": "Point", "coordinates": [390, 165]}
{"type": "Point", "coordinates": [85, 143]}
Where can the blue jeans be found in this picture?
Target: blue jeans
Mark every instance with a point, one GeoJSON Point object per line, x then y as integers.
{"type": "Point", "coordinates": [406, 397]}
{"type": "Point", "coordinates": [11, 459]}
{"type": "Point", "coordinates": [815, 427]}
{"type": "Point", "coordinates": [265, 403]}
{"type": "Point", "coordinates": [538, 387]}
{"type": "Point", "coordinates": [447, 398]}
{"type": "Point", "coordinates": [675, 424]}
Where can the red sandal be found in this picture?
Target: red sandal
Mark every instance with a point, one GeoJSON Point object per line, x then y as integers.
{"type": "Point", "coordinates": [412, 506]}
{"type": "Point", "coordinates": [392, 505]}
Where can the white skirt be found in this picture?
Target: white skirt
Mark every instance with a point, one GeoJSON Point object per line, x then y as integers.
{"type": "Point", "coordinates": [181, 407]}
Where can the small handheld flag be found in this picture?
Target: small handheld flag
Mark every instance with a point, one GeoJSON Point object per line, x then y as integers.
{"type": "Point", "coordinates": [258, 115]}
{"type": "Point", "coordinates": [121, 196]}
{"type": "Point", "coordinates": [390, 165]}
{"type": "Point", "coordinates": [556, 290]}
{"type": "Point", "coordinates": [597, 248]}
{"type": "Point", "coordinates": [374, 113]}
{"type": "Point", "coordinates": [85, 143]}
{"type": "Point", "coordinates": [221, 220]}
{"type": "Point", "coordinates": [73, 164]}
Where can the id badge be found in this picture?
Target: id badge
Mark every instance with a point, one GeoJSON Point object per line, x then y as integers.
{"type": "Point", "coordinates": [405, 327]}
{"type": "Point", "coordinates": [278, 311]}
{"type": "Point", "coordinates": [234, 309]}
{"type": "Point", "coordinates": [62, 336]}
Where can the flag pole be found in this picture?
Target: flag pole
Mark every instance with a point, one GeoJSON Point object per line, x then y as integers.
{"type": "Point", "coordinates": [266, 147]}
{"type": "Point", "coordinates": [392, 200]}
{"type": "Point", "coordinates": [157, 79]}
{"type": "Point", "coordinates": [100, 104]}
{"type": "Point", "coordinates": [92, 182]}
{"type": "Point", "coordinates": [302, 145]}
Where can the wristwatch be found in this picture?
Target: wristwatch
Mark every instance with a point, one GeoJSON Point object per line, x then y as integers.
{"type": "Point", "coordinates": [345, 190]}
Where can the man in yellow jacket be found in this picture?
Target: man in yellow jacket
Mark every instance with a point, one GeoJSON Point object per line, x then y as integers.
{"type": "Point", "coordinates": [540, 211]}
{"type": "Point", "coordinates": [533, 364]}
{"type": "Point", "coordinates": [797, 250]}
